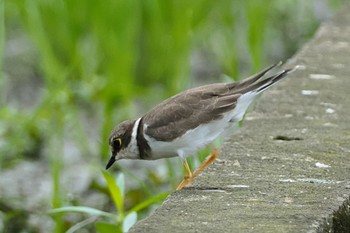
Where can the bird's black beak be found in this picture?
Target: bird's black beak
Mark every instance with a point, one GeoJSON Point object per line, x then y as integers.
{"type": "Point", "coordinates": [110, 162]}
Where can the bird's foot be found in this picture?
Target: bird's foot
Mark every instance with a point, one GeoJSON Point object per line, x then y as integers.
{"type": "Point", "coordinates": [190, 177]}
{"type": "Point", "coordinates": [186, 181]}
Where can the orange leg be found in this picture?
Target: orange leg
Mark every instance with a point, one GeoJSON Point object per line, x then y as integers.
{"type": "Point", "coordinates": [190, 176]}
{"type": "Point", "coordinates": [206, 163]}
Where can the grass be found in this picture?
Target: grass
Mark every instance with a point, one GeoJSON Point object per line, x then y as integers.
{"type": "Point", "coordinates": [97, 61]}
{"type": "Point", "coordinates": [123, 220]}
{"type": "Point", "coordinates": [2, 33]}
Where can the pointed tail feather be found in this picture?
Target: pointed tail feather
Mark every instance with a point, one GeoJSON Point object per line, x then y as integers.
{"type": "Point", "coordinates": [272, 80]}
{"type": "Point", "coordinates": [249, 81]}
{"type": "Point", "coordinates": [268, 82]}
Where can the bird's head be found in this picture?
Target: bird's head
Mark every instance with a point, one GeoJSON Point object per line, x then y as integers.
{"type": "Point", "coordinates": [119, 140]}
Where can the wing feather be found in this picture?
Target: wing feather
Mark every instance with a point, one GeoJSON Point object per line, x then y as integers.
{"type": "Point", "coordinates": [189, 109]}
{"type": "Point", "coordinates": [175, 116]}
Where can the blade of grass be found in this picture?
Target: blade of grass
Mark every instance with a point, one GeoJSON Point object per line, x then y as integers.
{"type": "Point", "coordinates": [129, 221]}
{"type": "Point", "coordinates": [115, 192]}
{"type": "Point", "coordinates": [104, 227]}
{"type": "Point", "coordinates": [148, 202]}
{"type": "Point", "coordinates": [120, 181]}
{"type": "Point", "coordinates": [2, 33]}
{"type": "Point", "coordinates": [257, 14]}
{"type": "Point", "coordinates": [81, 224]}
{"type": "Point", "coordinates": [56, 165]}
{"type": "Point", "coordinates": [83, 209]}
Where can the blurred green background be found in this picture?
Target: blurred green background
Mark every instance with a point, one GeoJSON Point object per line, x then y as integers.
{"type": "Point", "coordinates": [71, 70]}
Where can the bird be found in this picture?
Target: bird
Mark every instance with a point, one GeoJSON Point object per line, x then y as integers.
{"type": "Point", "coordinates": [189, 121]}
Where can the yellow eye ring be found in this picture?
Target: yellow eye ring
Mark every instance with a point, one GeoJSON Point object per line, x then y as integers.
{"type": "Point", "coordinates": [119, 141]}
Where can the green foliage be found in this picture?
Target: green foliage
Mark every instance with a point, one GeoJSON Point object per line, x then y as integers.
{"type": "Point", "coordinates": [116, 192]}
{"type": "Point", "coordinates": [2, 34]}
{"type": "Point", "coordinates": [257, 16]}
{"type": "Point", "coordinates": [123, 220]}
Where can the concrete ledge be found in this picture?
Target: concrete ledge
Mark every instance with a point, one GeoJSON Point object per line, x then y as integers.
{"type": "Point", "coordinates": [288, 169]}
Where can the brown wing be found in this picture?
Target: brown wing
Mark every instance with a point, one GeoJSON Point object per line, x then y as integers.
{"type": "Point", "coordinates": [187, 110]}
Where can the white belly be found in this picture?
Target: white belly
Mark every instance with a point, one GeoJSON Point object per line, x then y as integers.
{"type": "Point", "coordinates": [197, 138]}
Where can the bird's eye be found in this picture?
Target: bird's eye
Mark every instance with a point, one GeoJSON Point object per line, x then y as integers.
{"type": "Point", "coordinates": [117, 143]}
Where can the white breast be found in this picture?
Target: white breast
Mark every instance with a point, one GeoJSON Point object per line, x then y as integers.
{"type": "Point", "coordinates": [132, 151]}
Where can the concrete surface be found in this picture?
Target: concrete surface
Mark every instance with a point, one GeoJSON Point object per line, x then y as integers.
{"type": "Point", "coordinates": [288, 169]}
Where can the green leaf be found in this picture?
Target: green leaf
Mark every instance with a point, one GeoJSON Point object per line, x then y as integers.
{"type": "Point", "coordinates": [121, 184]}
{"type": "Point", "coordinates": [81, 224]}
{"type": "Point", "coordinates": [104, 227]}
{"type": "Point", "coordinates": [149, 202]}
{"type": "Point", "coordinates": [83, 209]}
{"type": "Point", "coordinates": [240, 123]}
{"type": "Point", "coordinates": [115, 192]}
{"type": "Point", "coordinates": [129, 221]}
